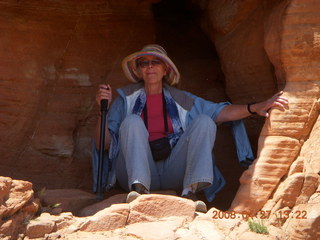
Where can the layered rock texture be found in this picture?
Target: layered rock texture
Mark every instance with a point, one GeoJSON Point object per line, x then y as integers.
{"type": "Point", "coordinates": [278, 45]}
{"type": "Point", "coordinates": [55, 53]}
{"type": "Point", "coordinates": [150, 216]}
{"type": "Point", "coordinates": [17, 206]}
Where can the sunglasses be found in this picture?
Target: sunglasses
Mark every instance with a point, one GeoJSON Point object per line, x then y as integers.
{"type": "Point", "coordinates": [146, 63]}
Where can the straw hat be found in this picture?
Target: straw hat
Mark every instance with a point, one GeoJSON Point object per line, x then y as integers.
{"type": "Point", "coordinates": [130, 67]}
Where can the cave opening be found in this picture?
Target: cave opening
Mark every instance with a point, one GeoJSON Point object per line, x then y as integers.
{"type": "Point", "coordinates": [178, 30]}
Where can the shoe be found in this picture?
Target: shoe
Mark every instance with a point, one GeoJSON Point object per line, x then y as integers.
{"type": "Point", "coordinates": [190, 195]}
{"type": "Point", "coordinates": [200, 205]}
{"type": "Point", "coordinates": [139, 188]}
{"type": "Point", "coordinates": [132, 196]}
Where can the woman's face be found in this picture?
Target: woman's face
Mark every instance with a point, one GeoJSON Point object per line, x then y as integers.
{"type": "Point", "coordinates": [151, 69]}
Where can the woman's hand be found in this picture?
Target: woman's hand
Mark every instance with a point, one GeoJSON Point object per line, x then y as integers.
{"type": "Point", "coordinates": [104, 92]}
{"type": "Point", "coordinates": [276, 100]}
{"type": "Point", "coordinates": [237, 112]}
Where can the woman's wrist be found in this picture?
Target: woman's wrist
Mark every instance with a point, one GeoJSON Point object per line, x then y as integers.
{"type": "Point", "coordinates": [251, 109]}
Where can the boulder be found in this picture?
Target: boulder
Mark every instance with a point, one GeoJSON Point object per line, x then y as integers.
{"type": "Point", "coordinates": [40, 226]}
{"type": "Point", "coordinates": [156, 230]}
{"type": "Point", "coordinates": [225, 221]}
{"type": "Point", "coordinates": [94, 208]}
{"type": "Point", "coordinates": [256, 236]}
{"type": "Point", "coordinates": [5, 185]}
{"type": "Point", "coordinates": [18, 194]}
{"type": "Point", "coordinates": [150, 207]}
{"type": "Point", "coordinates": [108, 219]}
{"type": "Point", "coordinates": [17, 206]}
{"type": "Point", "coordinates": [204, 229]}
{"type": "Point", "coordinates": [303, 222]}
{"type": "Point", "coordinates": [289, 190]}
{"type": "Point", "coordinates": [69, 200]}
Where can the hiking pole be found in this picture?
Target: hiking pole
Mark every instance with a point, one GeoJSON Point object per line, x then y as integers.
{"type": "Point", "coordinates": [104, 110]}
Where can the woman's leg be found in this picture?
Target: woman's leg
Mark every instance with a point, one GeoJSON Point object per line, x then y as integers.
{"type": "Point", "coordinates": [135, 164]}
{"type": "Point", "coordinates": [190, 161]}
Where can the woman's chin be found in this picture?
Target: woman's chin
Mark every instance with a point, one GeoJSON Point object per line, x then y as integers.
{"type": "Point", "coordinates": [153, 81]}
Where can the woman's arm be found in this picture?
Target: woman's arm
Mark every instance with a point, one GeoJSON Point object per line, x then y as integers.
{"type": "Point", "coordinates": [237, 112]}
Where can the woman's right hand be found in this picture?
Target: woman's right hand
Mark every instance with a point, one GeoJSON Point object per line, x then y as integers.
{"type": "Point", "coordinates": [104, 92]}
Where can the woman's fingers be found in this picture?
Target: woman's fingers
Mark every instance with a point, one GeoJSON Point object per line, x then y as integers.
{"type": "Point", "coordinates": [104, 92]}
{"type": "Point", "coordinates": [276, 101]}
{"type": "Point", "coordinates": [105, 87]}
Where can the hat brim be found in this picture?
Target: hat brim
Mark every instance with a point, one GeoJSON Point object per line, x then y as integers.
{"type": "Point", "coordinates": [131, 72]}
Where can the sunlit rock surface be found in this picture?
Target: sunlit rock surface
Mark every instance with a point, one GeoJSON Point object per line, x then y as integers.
{"type": "Point", "coordinates": [54, 55]}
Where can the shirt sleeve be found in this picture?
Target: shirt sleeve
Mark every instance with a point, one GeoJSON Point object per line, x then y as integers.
{"type": "Point", "coordinates": [115, 115]}
{"type": "Point", "coordinates": [202, 106]}
{"type": "Point", "coordinates": [115, 118]}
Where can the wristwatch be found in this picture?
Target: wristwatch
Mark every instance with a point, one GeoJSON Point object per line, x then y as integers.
{"type": "Point", "coordinates": [248, 108]}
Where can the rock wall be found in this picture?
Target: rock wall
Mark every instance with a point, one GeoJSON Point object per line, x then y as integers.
{"type": "Point", "coordinates": [59, 52]}
{"type": "Point", "coordinates": [54, 55]}
{"type": "Point", "coordinates": [282, 53]}
{"type": "Point", "coordinates": [237, 30]}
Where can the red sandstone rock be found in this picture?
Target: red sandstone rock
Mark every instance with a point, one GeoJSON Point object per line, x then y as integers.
{"type": "Point", "coordinates": [156, 230]}
{"type": "Point", "coordinates": [15, 195]}
{"type": "Point", "coordinates": [69, 200]}
{"type": "Point", "coordinates": [92, 209]}
{"type": "Point", "coordinates": [225, 221]}
{"type": "Point", "coordinates": [297, 227]}
{"type": "Point", "coordinates": [149, 207]}
{"type": "Point", "coordinates": [297, 166]}
{"type": "Point", "coordinates": [5, 185]}
{"type": "Point", "coordinates": [54, 55]}
{"type": "Point", "coordinates": [108, 219]}
{"type": "Point", "coordinates": [239, 25]}
{"type": "Point", "coordinates": [310, 185]}
{"type": "Point", "coordinates": [262, 47]}
{"type": "Point", "coordinates": [17, 206]}
{"type": "Point", "coordinates": [118, 198]}
{"type": "Point", "coordinates": [289, 142]}
{"type": "Point", "coordinates": [40, 226]}
{"type": "Point", "coordinates": [256, 236]}
{"type": "Point", "coordinates": [164, 217]}
{"type": "Point", "coordinates": [206, 229]}
{"type": "Point", "coordinates": [289, 190]}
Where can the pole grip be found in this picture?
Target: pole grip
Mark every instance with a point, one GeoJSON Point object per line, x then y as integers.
{"type": "Point", "coordinates": [104, 105]}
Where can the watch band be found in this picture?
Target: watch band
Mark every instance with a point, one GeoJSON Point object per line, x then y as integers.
{"type": "Point", "coordinates": [249, 109]}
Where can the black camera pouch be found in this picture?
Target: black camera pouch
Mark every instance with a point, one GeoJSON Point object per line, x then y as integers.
{"type": "Point", "coordinates": [160, 149]}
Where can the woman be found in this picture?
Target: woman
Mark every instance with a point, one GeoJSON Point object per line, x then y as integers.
{"type": "Point", "coordinates": [151, 112]}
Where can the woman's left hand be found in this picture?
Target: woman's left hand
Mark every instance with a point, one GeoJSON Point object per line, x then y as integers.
{"type": "Point", "coordinates": [276, 100]}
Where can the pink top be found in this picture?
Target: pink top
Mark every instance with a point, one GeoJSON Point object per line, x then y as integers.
{"type": "Point", "coordinates": [156, 127]}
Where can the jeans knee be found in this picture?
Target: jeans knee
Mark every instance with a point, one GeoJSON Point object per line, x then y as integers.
{"type": "Point", "coordinates": [205, 123]}
{"type": "Point", "coordinates": [132, 121]}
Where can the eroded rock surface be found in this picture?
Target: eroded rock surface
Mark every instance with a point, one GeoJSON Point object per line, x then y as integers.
{"type": "Point", "coordinates": [150, 216]}
{"type": "Point", "coordinates": [17, 206]}
{"type": "Point", "coordinates": [55, 54]}
{"type": "Point", "coordinates": [285, 175]}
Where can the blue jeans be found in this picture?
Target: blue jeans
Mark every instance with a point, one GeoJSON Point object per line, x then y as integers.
{"type": "Point", "coordinates": [190, 160]}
